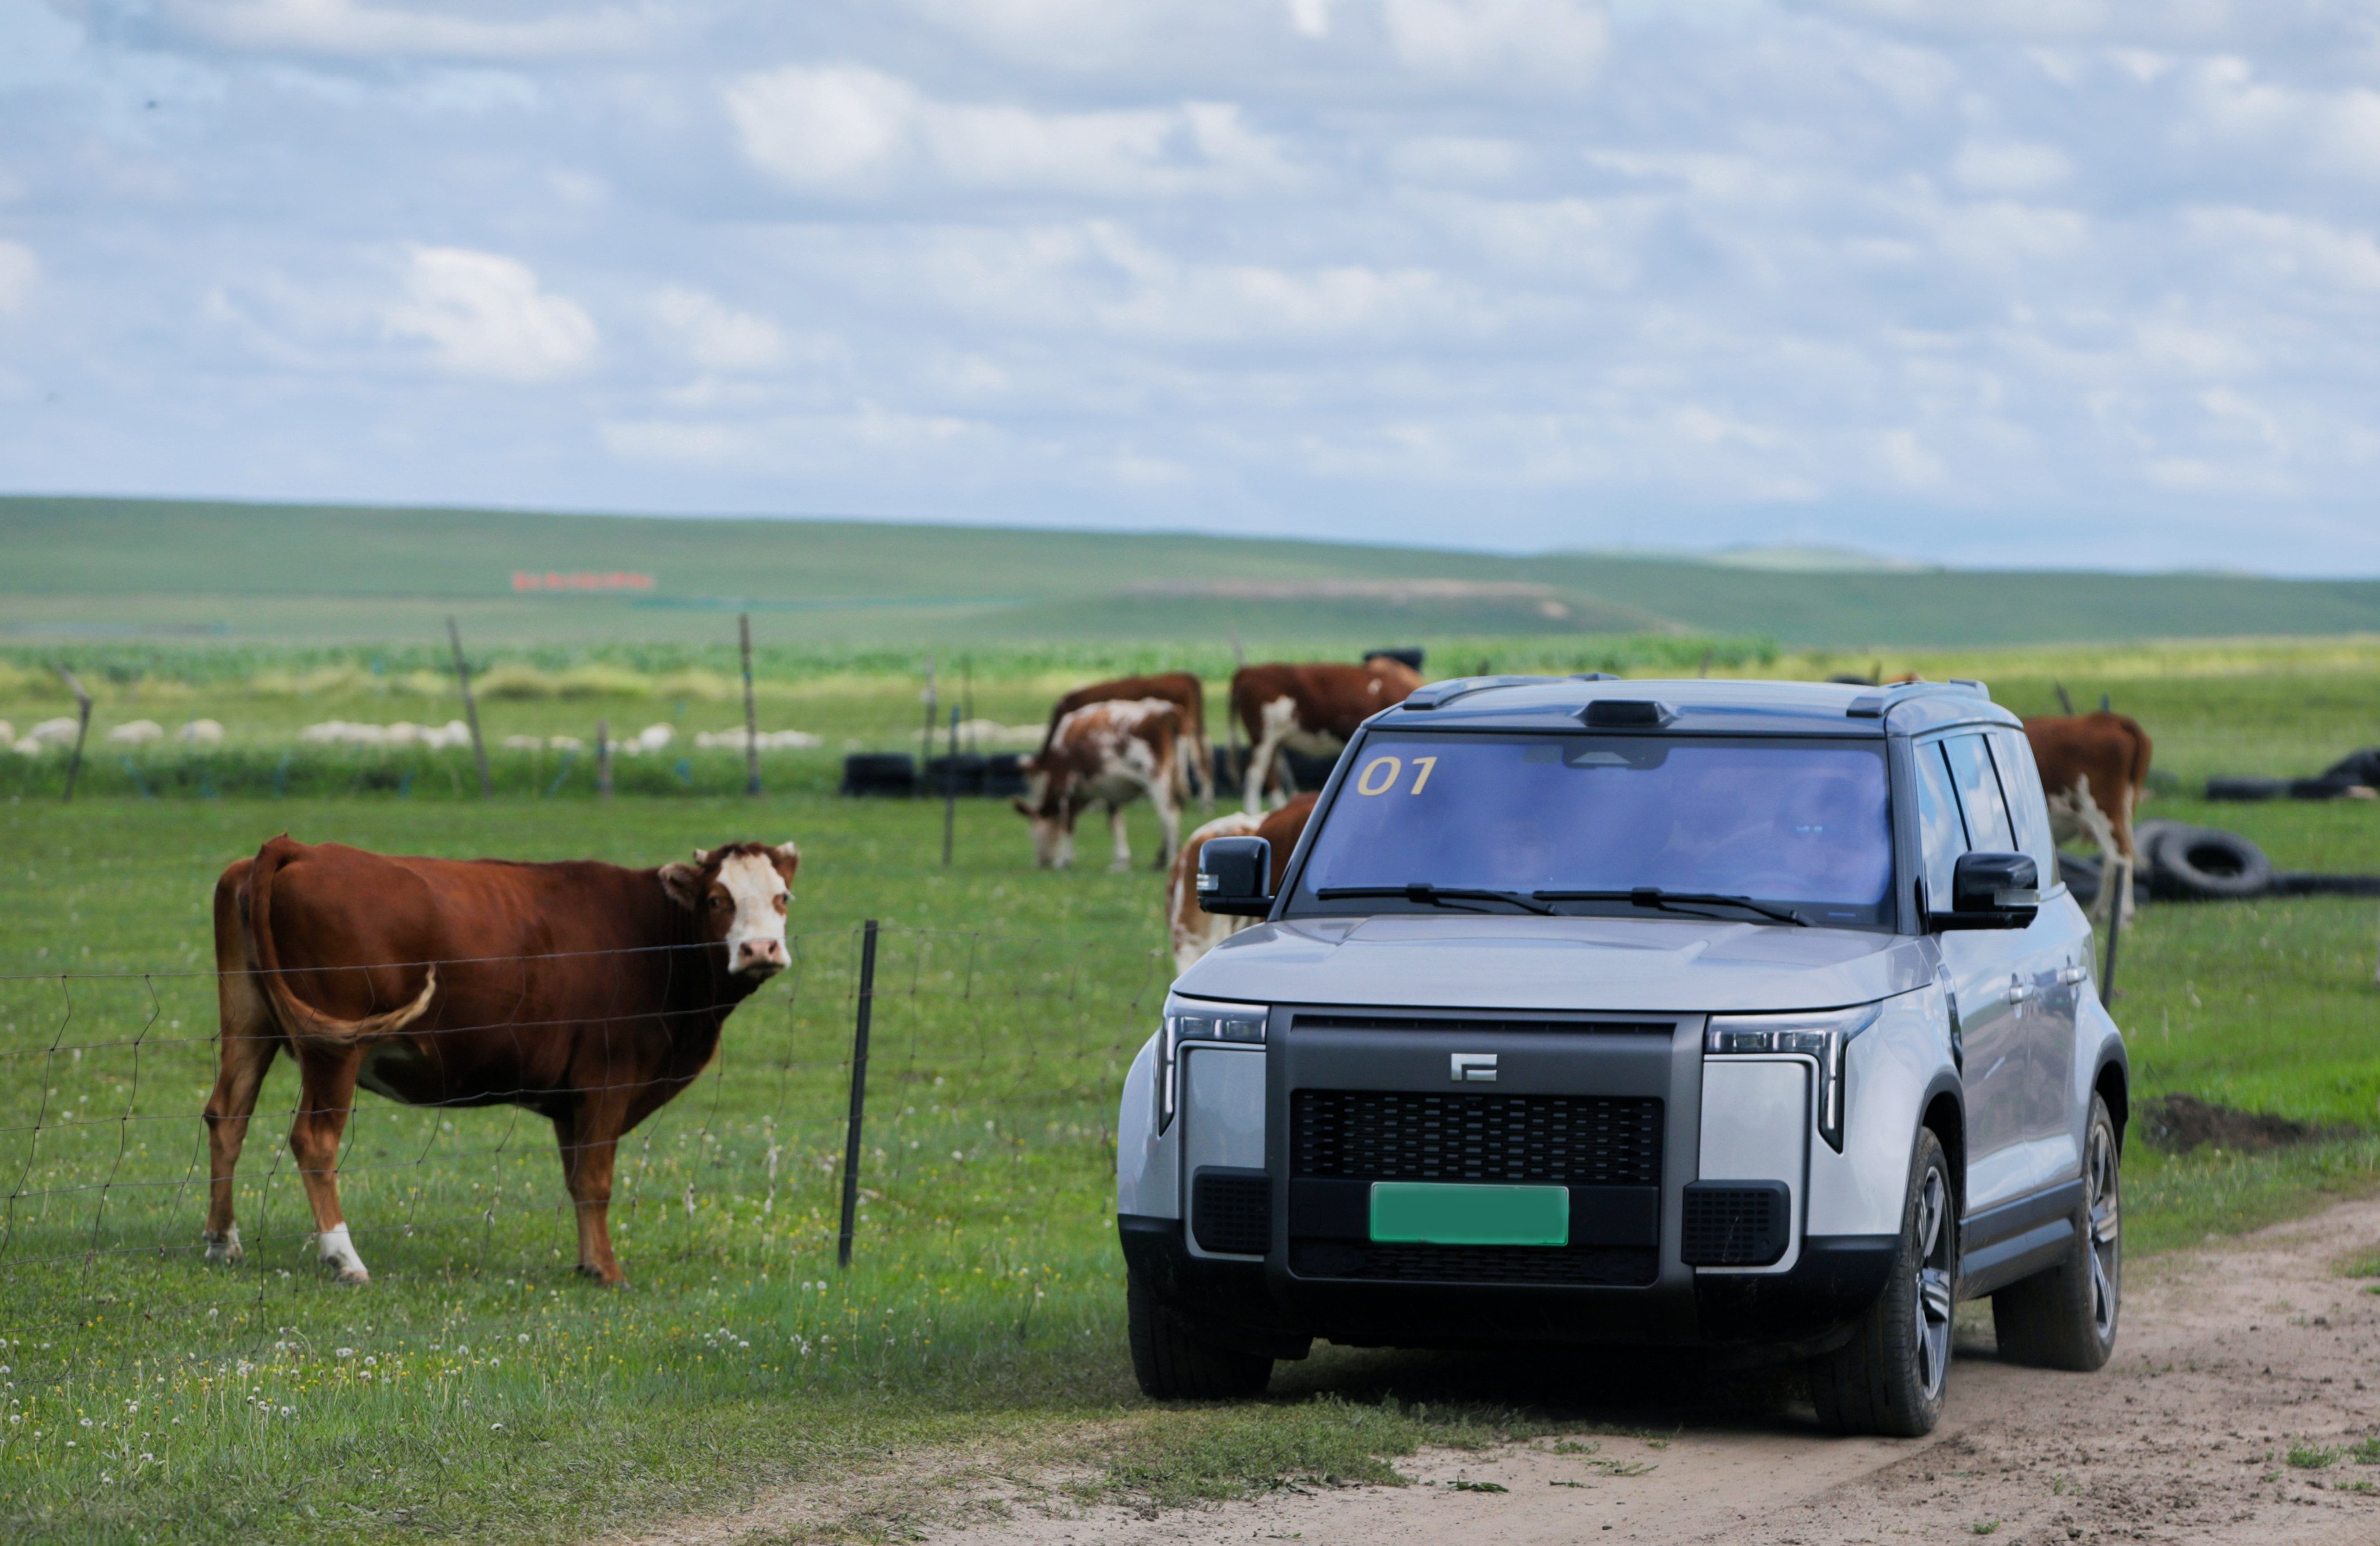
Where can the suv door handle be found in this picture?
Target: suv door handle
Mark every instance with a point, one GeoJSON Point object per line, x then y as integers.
{"type": "Point", "coordinates": [2019, 989]}
{"type": "Point", "coordinates": [2072, 975]}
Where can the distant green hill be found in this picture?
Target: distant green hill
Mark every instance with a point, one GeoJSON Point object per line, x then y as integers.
{"type": "Point", "coordinates": [96, 568]}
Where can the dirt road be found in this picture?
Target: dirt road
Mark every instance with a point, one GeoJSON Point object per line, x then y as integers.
{"type": "Point", "coordinates": [2231, 1357]}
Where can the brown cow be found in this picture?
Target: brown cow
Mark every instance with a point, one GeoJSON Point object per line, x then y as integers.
{"type": "Point", "coordinates": [1111, 752]}
{"type": "Point", "coordinates": [1197, 931]}
{"type": "Point", "coordinates": [1310, 708]}
{"type": "Point", "coordinates": [1183, 690]}
{"type": "Point", "coordinates": [2094, 769]}
{"type": "Point", "coordinates": [587, 993]}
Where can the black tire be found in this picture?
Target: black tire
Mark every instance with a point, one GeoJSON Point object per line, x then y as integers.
{"type": "Point", "coordinates": [1889, 1378]}
{"type": "Point", "coordinates": [2066, 1318]}
{"type": "Point", "coordinates": [2246, 789]}
{"type": "Point", "coordinates": [2207, 863]}
{"type": "Point", "coordinates": [1174, 1365]}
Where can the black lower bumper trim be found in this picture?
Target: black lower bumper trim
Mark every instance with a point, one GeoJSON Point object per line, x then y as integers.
{"type": "Point", "coordinates": [1831, 1284]}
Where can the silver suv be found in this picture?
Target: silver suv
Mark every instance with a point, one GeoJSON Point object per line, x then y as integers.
{"type": "Point", "coordinates": [1743, 1016]}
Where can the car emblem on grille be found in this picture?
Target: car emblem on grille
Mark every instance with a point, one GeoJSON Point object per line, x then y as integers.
{"type": "Point", "coordinates": [1471, 1067]}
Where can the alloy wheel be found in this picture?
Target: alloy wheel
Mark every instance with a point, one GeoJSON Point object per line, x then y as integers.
{"type": "Point", "coordinates": [1931, 1317]}
{"type": "Point", "coordinates": [2107, 1230]}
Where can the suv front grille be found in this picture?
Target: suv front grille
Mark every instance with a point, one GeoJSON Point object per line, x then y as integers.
{"type": "Point", "coordinates": [1391, 1135]}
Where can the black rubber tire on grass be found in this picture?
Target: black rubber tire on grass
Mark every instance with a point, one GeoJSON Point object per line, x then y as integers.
{"type": "Point", "coordinates": [1173, 1365]}
{"type": "Point", "coordinates": [2207, 863]}
{"type": "Point", "coordinates": [1889, 1379]}
{"type": "Point", "coordinates": [2066, 1318]}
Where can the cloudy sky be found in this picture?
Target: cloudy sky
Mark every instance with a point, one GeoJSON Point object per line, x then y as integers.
{"type": "Point", "coordinates": [2032, 281]}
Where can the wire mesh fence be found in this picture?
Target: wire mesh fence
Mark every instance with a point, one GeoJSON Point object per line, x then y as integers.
{"type": "Point", "coordinates": [994, 1057]}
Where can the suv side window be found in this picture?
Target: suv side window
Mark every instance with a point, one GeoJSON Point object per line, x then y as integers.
{"type": "Point", "coordinates": [2021, 779]}
{"type": "Point", "coordinates": [1988, 830]}
{"type": "Point", "coordinates": [1939, 831]}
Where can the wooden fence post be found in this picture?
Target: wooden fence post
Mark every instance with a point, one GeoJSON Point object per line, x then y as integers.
{"type": "Point", "coordinates": [859, 1091]}
{"type": "Point", "coordinates": [470, 709]}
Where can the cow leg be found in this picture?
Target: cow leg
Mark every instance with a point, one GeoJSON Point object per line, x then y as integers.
{"type": "Point", "coordinates": [2115, 859]}
{"type": "Point", "coordinates": [1168, 805]}
{"type": "Point", "coordinates": [590, 1141]}
{"type": "Point", "coordinates": [244, 1049]}
{"type": "Point", "coordinates": [1205, 774]}
{"type": "Point", "coordinates": [1122, 860]}
{"type": "Point", "coordinates": [326, 1098]}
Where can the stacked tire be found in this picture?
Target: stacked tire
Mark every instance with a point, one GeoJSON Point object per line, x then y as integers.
{"type": "Point", "coordinates": [2184, 863]}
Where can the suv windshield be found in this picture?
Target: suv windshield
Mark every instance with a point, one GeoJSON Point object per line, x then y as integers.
{"type": "Point", "coordinates": [1499, 823]}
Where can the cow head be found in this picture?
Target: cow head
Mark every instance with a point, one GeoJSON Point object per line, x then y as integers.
{"type": "Point", "coordinates": [1050, 803]}
{"type": "Point", "coordinates": [738, 895]}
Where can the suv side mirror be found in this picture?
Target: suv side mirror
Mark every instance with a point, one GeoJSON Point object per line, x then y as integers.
{"type": "Point", "coordinates": [1992, 891]}
{"type": "Point", "coordinates": [1235, 877]}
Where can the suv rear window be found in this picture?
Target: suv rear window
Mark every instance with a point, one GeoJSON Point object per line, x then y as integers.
{"type": "Point", "coordinates": [1799, 824]}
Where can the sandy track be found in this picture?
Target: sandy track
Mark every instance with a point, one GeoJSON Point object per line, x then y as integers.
{"type": "Point", "coordinates": [2228, 1356]}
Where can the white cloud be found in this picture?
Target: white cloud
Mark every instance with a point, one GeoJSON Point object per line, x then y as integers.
{"type": "Point", "coordinates": [1558, 43]}
{"type": "Point", "coordinates": [2009, 166]}
{"type": "Point", "coordinates": [847, 129]}
{"type": "Point", "coordinates": [2313, 255]}
{"type": "Point", "coordinates": [345, 28]}
{"type": "Point", "coordinates": [19, 271]}
{"type": "Point", "coordinates": [716, 336]}
{"type": "Point", "coordinates": [485, 314]}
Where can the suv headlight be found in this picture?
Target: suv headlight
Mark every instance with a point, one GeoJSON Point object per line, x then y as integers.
{"type": "Point", "coordinates": [1822, 1037]}
{"type": "Point", "coordinates": [1198, 1020]}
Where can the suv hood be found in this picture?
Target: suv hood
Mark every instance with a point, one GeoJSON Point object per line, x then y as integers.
{"type": "Point", "coordinates": [1666, 965]}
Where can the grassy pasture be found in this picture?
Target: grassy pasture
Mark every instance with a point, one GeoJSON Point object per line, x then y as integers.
{"type": "Point", "coordinates": [314, 573]}
{"type": "Point", "coordinates": [985, 1306]}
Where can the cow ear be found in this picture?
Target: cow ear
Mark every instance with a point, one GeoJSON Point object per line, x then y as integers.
{"type": "Point", "coordinates": [683, 882]}
{"type": "Point", "coordinates": [788, 857]}
{"type": "Point", "coordinates": [701, 857]}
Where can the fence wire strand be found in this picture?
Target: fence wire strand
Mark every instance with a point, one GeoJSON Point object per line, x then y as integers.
{"type": "Point", "coordinates": [989, 1048]}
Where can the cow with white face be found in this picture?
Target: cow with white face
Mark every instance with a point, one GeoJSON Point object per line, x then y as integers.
{"type": "Point", "coordinates": [1110, 753]}
{"type": "Point", "coordinates": [739, 894]}
{"type": "Point", "coordinates": [585, 992]}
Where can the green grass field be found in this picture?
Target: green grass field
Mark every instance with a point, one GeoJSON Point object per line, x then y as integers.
{"type": "Point", "coordinates": [478, 1391]}
{"type": "Point", "coordinates": [84, 570]}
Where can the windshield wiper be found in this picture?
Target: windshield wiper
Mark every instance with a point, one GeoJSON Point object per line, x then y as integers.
{"type": "Point", "coordinates": [1438, 895]}
{"type": "Point", "coordinates": [1654, 897]}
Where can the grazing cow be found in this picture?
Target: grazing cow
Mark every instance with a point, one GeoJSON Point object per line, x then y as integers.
{"type": "Point", "coordinates": [1310, 708]}
{"type": "Point", "coordinates": [587, 993]}
{"type": "Point", "coordinates": [2094, 769]}
{"type": "Point", "coordinates": [1197, 931]}
{"type": "Point", "coordinates": [1112, 751]}
{"type": "Point", "coordinates": [1181, 689]}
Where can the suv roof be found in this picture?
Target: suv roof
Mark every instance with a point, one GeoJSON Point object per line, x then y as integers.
{"type": "Point", "coordinates": [1693, 706]}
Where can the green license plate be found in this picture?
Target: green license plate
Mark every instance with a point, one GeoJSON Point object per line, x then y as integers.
{"type": "Point", "coordinates": [1424, 1212]}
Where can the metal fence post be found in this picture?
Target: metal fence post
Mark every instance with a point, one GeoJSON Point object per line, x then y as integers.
{"type": "Point", "coordinates": [470, 709]}
{"type": "Point", "coordinates": [82, 728]}
{"type": "Point", "coordinates": [951, 787]}
{"type": "Point", "coordinates": [859, 1091]}
{"type": "Point", "coordinates": [751, 722]}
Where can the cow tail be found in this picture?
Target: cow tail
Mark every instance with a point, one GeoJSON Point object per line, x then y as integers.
{"type": "Point", "coordinates": [300, 1021]}
{"type": "Point", "coordinates": [2140, 754]}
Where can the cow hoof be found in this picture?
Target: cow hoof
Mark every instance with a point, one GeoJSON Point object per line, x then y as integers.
{"type": "Point", "coordinates": [354, 1274]}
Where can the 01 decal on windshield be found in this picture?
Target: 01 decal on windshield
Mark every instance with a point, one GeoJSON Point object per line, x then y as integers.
{"type": "Point", "coordinates": [1381, 775]}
